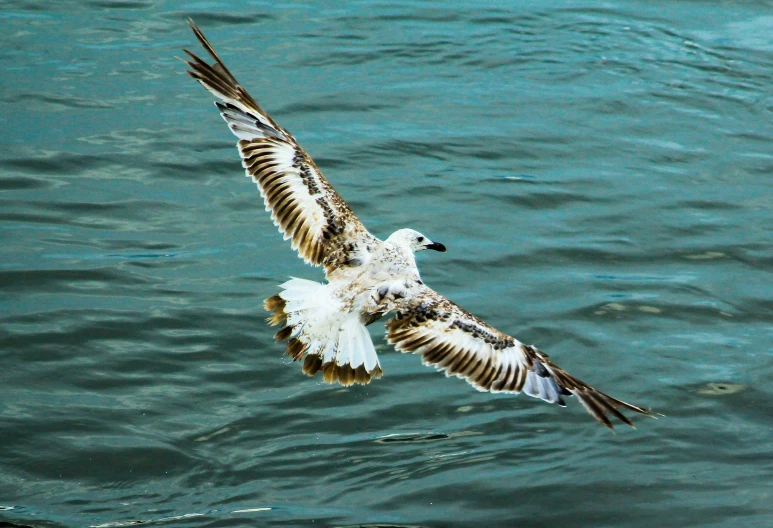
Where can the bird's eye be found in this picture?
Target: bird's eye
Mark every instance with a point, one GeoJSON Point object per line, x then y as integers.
{"type": "Point", "coordinates": [420, 239]}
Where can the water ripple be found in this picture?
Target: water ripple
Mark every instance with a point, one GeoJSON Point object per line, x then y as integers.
{"type": "Point", "coordinates": [600, 175]}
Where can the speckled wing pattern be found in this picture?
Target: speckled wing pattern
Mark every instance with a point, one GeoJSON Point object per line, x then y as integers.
{"type": "Point", "coordinates": [305, 207]}
{"type": "Point", "coordinates": [455, 341]}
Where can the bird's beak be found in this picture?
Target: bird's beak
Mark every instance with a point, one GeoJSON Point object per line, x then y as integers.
{"type": "Point", "coordinates": [437, 246]}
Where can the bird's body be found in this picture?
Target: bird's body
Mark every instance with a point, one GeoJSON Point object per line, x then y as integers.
{"type": "Point", "coordinates": [321, 319]}
{"type": "Point", "coordinates": [367, 278]}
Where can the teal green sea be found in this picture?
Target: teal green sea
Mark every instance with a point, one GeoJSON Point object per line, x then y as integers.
{"type": "Point", "coordinates": [601, 173]}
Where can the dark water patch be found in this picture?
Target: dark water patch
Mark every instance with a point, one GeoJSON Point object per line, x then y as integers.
{"type": "Point", "coordinates": [56, 163]}
{"type": "Point", "coordinates": [441, 150]}
{"type": "Point", "coordinates": [167, 516]}
{"type": "Point", "coordinates": [65, 334]}
{"type": "Point", "coordinates": [329, 163]}
{"type": "Point", "coordinates": [203, 18]}
{"type": "Point", "coordinates": [65, 427]}
{"type": "Point", "coordinates": [159, 262]}
{"type": "Point", "coordinates": [334, 58]}
{"type": "Point", "coordinates": [627, 254]}
{"type": "Point", "coordinates": [116, 467]}
{"type": "Point", "coordinates": [380, 525]}
{"type": "Point", "coordinates": [437, 52]}
{"type": "Point", "coordinates": [120, 4]}
{"type": "Point", "coordinates": [499, 19]}
{"type": "Point", "coordinates": [116, 216]}
{"type": "Point", "coordinates": [761, 308]}
{"type": "Point", "coordinates": [251, 202]}
{"type": "Point", "coordinates": [711, 205]}
{"type": "Point", "coordinates": [42, 523]}
{"type": "Point", "coordinates": [58, 101]}
{"type": "Point", "coordinates": [543, 200]}
{"type": "Point", "coordinates": [351, 37]}
{"type": "Point", "coordinates": [696, 230]}
{"type": "Point", "coordinates": [420, 15]}
{"type": "Point", "coordinates": [332, 104]}
{"type": "Point", "coordinates": [28, 5]}
{"type": "Point", "coordinates": [154, 249]}
{"type": "Point", "coordinates": [454, 496]}
{"type": "Point", "coordinates": [22, 183]}
{"type": "Point", "coordinates": [197, 170]}
{"type": "Point", "coordinates": [424, 149]}
{"type": "Point", "coordinates": [63, 280]}
{"type": "Point", "coordinates": [761, 168]}
{"type": "Point", "coordinates": [751, 136]}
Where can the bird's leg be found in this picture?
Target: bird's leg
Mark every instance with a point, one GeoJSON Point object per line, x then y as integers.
{"type": "Point", "coordinates": [385, 294]}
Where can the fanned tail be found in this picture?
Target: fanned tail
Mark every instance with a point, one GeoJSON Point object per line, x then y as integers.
{"type": "Point", "coordinates": [319, 332]}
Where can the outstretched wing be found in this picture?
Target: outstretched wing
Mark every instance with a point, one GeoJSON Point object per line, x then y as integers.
{"type": "Point", "coordinates": [304, 206]}
{"type": "Point", "coordinates": [457, 342]}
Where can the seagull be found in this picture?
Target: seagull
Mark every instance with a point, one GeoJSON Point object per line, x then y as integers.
{"type": "Point", "coordinates": [325, 325]}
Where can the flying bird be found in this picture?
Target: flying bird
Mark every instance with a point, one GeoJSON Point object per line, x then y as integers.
{"type": "Point", "coordinates": [367, 278]}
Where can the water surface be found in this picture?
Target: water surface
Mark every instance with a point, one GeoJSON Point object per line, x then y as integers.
{"type": "Point", "coordinates": [601, 175]}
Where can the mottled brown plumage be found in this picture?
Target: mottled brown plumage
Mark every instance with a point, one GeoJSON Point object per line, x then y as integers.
{"type": "Point", "coordinates": [477, 352]}
{"type": "Point", "coordinates": [305, 207]}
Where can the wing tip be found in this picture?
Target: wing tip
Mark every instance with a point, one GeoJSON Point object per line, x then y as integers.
{"type": "Point", "coordinates": [601, 406]}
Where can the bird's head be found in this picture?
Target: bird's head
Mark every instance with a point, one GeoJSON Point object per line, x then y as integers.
{"type": "Point", "coordinates": [414, 241]}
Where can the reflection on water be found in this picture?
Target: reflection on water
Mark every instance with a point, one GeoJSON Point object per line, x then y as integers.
{"type": "Point", "coordinates": [413, 437]}
{"type": "Point", "coordinates": [721, 389]}
{"type": "Point", "coordinates": [600, 175]}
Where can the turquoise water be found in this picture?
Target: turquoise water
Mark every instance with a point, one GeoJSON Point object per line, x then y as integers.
{"type": "Point", "coordinates": [601, 175]}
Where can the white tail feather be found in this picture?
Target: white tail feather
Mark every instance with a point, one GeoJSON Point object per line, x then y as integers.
{"type": "Point", "coordinates": [333, 340]}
